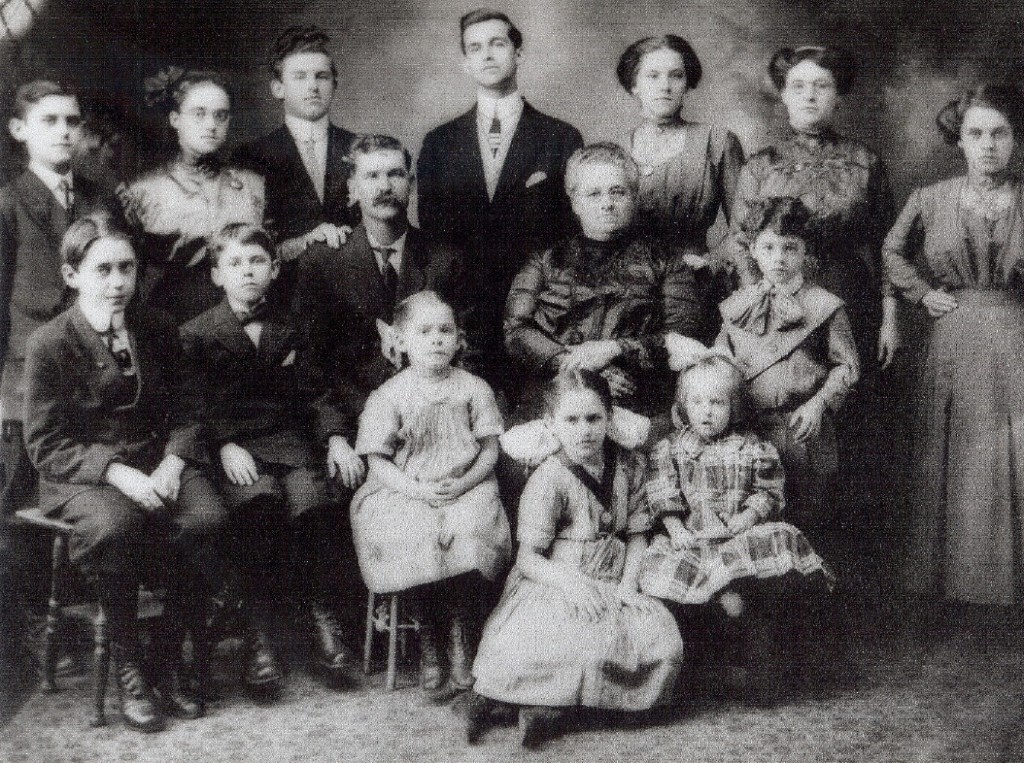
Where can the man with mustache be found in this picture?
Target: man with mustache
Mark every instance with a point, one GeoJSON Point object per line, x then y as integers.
{"type": "Point", "coordinates": [303, 161]}
{"type": "Point", "coordinates": [342, 293]}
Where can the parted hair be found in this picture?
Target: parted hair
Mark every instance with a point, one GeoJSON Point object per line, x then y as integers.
{"type": "Point", "coordinates": [1004, 98]}
{"type": "Point", "coordinates": [481, 15]}
{"type": "Point", "coordinates": [168, 89]}
{"type": "Point", "coordinates": [604, 152]}
{"type": "Point", "coordinates": [368, 143]}
{"type": "Point", "coordinates": [839, 62]}
{"type": "Point", "coordinates": [631, 58]}
{"type": "Point", "coordinates": [244, 234]}
{"type": "Point", "coordinates": [785, 215]}
{"type": "Point", "coordinates": [30, 93]}
{"type": "Point", "coordinates": [740, 406]}
{"type": "Point", "coordinates": [86, 231]}
{"type": "Point", "coordinates": [577, 380]}
{"type": "Point", "coordinates": [300, 39]}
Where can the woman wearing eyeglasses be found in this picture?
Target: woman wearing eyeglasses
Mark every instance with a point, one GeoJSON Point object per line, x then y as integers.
{"type": "Point", "coordinates": [174, 209]}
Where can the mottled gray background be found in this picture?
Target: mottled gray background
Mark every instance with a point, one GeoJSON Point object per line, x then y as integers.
{"type": "Point", "coordinates": [400, 73]}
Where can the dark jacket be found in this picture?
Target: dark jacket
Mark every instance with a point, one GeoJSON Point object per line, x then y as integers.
{"type": "Point", "coordinates": [530, 210]}
{"type": "Point", "coordinates": [269, 400]}
{"type": "Point", "coordinates": [73, 428]}
{"type": "Point", "coordinates": [32, 291]}
{"type": "Point", "coordinates": [293, 208]}
{"type": "Point", "coordinates": [340, 295]}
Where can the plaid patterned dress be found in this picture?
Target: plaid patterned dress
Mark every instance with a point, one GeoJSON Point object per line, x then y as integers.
{"type": "Point", "coordinates": [705, 484]}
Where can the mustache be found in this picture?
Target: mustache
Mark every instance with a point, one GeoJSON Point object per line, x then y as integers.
{"type": "Point", "coordinates": [387, 198]}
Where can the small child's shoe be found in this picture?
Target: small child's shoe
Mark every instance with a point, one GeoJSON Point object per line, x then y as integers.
{"type": "Point", "coordinates": [479, 716]}
{"type": "Point", "coordinates": [538, 725]}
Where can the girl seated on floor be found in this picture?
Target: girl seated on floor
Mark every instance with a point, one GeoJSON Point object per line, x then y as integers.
{"type": "Point", "coordinates": [718, 493]}
{"type": "Point", "coordinates": [428, 519]}
{"type": "Point", "coordinates": [571, 628]}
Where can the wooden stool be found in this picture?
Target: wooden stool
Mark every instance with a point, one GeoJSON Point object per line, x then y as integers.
{"type": "Point", "coordinates": [385, 617]}
{"type": "Point", "coordinates": [56, 611]}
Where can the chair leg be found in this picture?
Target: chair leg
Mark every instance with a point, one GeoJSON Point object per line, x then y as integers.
{"type": "Point", "coordinates": [58, 580]}
{"type": "Point", "coordinates": [392, 645]}
{"type": "Point", "coordinates": [101, 640]}
{"type": "Point", "coordinates": [368, 642]}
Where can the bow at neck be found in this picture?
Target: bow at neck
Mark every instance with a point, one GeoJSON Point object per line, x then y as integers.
{"type": "Point", "coordinates": [256, 314]}
{"type": "Point", "coordinates": [768, 304]}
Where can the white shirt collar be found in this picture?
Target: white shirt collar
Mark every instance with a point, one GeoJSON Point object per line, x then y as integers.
{"type": "Point", "coordinates": [51, 179]}
{"type": "Point", "coordinates": [303, 130]}
{"type": "Point", "coordinates": [102, 320]}
{"type": "Point", "coordinates": [398, 246]}
{"type": "Point", "coordinates": [508, 107]}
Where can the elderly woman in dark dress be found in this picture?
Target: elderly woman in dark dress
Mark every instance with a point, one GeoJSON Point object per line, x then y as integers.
{"type": "Point", "coordinates": [844, 185]}
{"type": "Point", "coordinates": [967, 537]}
{"type": "Point", "coordinates": [688, 170]}
{"type": "Point", "coordinates": [603, 298]}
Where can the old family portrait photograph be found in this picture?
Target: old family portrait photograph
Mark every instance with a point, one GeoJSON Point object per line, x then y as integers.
{"type": "Point", "coordinates": [560, 381]}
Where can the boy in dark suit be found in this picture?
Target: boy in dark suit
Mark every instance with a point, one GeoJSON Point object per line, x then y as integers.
{"type": "Point", "coordinates": [303, 161]}
{"type": "Point", "coordinates": [258, 403]}
{"type": "Point", "coordinates": [35, 211]}
{"type": "Point", "coordinates": [492, 180]}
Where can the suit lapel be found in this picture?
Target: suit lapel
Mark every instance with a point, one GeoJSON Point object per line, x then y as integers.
{"type": "Point", "coordinates": [103, 368]}
{"type": "Point", "coordinates": [467, 157]}
{"type": "Point", "coordinates": [229, 331]}
{"type": "Point", "coordinates": [520, 154]}
{"type": "Point", "coordinates": [294, 164]}
{"type": "Point", "coordinates": [39, 202]}
{"type": "Point", "coordinates": [366, 276]}
{"type": "Point", "coordinates": [275, 335]}
{"type": "Point", "coordinates": [415, 260]}
{"type": "Point", "coordinates": [337, 176]}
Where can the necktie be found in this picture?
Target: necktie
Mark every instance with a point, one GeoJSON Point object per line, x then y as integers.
{"type": "Point", "coordinates": [120, 349]}
{"type": "Point", "coordinates": [312, 162]}
{"type": "Point", "coordinates": [494, 135]}
{"type": "Point", "coordinates": [389, 274]}
{"type": "Point", "coordinates": [65, 195]}
{"type": "Point", "coordinates": [257, 314]}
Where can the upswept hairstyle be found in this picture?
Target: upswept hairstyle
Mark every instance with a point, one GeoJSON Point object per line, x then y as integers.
{"type": "Point", "coordinates": [785, 215]}
{"type": "Point", "coordinates": [86, 231]}
{"type": "Point", "coordinates": [631, 58]}
{"type": "Point", "coordinates": [168, 89]}
{"type": "Point", "coordinates": [740, 406]}
{"type": "Point", "coordinates": [481, 15]}
{"type": "Point", "coordinates": [300, 39]}
{"type": "Point", "coordinates": [839, 62]}
{"type": "Point", "coordinates": [1004, 98]}
{"type": "Point", "coordinates": [577, 380]}
{"type": "Point", "coordinates": [604, 152]}
{"type": "Point", "coordinates": [244, 234]}
{"type": "Point", "coordinates": [31, 93]}
{"type": "Point", "coordinates": [367, 144]}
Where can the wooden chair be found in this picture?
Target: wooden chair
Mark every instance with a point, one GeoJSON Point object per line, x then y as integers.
{"type": "Point", "coordinates": [385, 617]}
{"type": "Point", "coordinates": [57, 611]}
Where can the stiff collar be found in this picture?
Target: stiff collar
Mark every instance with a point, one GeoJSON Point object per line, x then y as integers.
{"type": "Point", "coordinates": [510, 107]}
{"type": "Point", "coordinates": [51, 179]}
{"type": "Point", "coordinates": [303, 130]}
{"type": "Point", "coordinates": [101, 320]}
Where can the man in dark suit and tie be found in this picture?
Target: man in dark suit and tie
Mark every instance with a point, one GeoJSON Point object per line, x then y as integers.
{"type": "Point", "coordinates": [492, 180]}
{"type": "Point", "coordinates": [342, 293]}
{"type": "Point", "coordinates": [303, 161]}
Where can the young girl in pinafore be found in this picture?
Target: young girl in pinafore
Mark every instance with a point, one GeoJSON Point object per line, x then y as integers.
{"type": "Point", "coordinates": [428, 519]}
{"type": "Point", "coordinates": [571, 628]}
{"type": "Point", "coordinates": [718, 493]}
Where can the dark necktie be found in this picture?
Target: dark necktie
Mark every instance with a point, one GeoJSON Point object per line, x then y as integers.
{"type": "Point", "coordinates": [389, 274]}
{"type": "Point", "coordinates": [494, 135]}
{"type": "Point", "coordinates": [121, 352]}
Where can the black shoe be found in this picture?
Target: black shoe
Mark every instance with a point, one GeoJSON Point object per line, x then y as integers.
{"type": "Point", "coordinates": [138, 704]}
{"type": "Point", "coordinates": [181, 696]}
{"type": "Point", "coordinates": [262, 672]}
{"type": "Point", "coordinates": [460, 656]}
{"type": "Point", "coordinates": [479, 716]}
{"type": "Point", "coordinates": [333, 656]}
{"type": "Point", "coordinates": [537, 725]}
{"type": "Point", "coordinates": [432, 676]}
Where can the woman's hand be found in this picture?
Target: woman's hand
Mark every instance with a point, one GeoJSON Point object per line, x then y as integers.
{"type": "Point", "coordinates": [332, 235]}
{"type": "Point", "coordinates": [938, 302]}
{"type": "Point", "coordinates": [591, 356]}
{"type": "Point", "coordinates": [239, 465]}
{"type": "Point", "coordinates": [888, 342]}
{"type": "Point", "coordinates": [135, 485]}
{"type": "Point", "coordinates": [619, 382]}
{"type": "Point", "coordinates": [343, 463]}
{"type": "Point", "coordinates": [167, 477]}
{"type": "Point", "coordinates": [740, 523]}
{"type": "Point", "coordinates": [806, 420]}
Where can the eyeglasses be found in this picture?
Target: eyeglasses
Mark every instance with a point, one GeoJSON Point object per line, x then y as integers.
{"type": "Point", "coordinates": [220, 116]}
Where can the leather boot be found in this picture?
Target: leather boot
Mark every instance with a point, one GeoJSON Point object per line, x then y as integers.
{"type": "Point", "coordinates": [180, 686]}
{"type": "Point", "coordinates": [333, 657]}
{"type": "Point", "coordinates": [479, 716]}
{"type": "Point", "coordinates": [263, 673]}
{"type": "Point", "coordinates": [538, 725]}
{"type": "Point", "coordinates": [138, 704]}
{"type": "Point", "coordinates": [460, 655]}
{"type": "Point", "coordinates": [431, 673]}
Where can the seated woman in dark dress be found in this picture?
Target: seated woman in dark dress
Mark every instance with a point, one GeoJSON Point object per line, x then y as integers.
{"type": "Point", "coordinates": [602, 299]}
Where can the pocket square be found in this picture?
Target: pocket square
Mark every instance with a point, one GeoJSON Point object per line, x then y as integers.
{"type": "Point", "coordinates": [537, 177]}
{"type": "Point", "coordinates": [289, 359]}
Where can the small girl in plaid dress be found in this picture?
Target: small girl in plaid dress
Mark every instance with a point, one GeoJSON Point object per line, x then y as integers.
{"type": "Point", "coordinates": [719, 495]}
